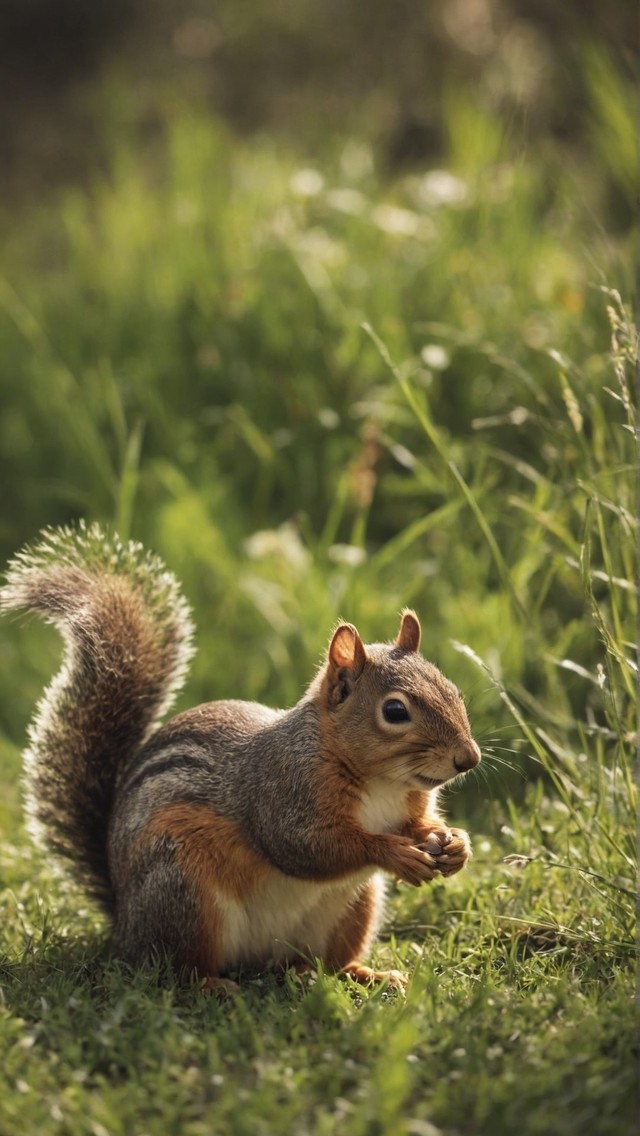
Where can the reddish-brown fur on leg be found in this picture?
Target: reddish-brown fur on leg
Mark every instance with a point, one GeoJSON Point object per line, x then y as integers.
{"type": "Point", "coordinates": [212, 850]}
{"type": "Point", "coordinates": [353, 931]}
{"type": "Point", "coordinates": [213, 855]}
{"type": "Point", "coordinates": [351, 937]}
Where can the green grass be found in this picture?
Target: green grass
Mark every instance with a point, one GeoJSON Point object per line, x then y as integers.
{"type": "Point", "coordinates": [317, 395]}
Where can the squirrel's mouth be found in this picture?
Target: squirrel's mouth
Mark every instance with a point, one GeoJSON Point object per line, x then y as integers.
{"type": "Point", "coordinates": [428, 782]}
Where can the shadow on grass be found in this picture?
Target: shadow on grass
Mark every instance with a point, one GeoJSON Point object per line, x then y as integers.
{"type": "Point", "coordinates": [58, 972]}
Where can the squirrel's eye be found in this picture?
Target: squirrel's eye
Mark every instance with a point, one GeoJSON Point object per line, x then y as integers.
{"type": "Point", "coordinates": [393, 710]}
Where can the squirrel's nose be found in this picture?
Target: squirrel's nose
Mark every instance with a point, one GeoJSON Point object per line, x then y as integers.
{"type": "Point", "coordinates": [467, 756]}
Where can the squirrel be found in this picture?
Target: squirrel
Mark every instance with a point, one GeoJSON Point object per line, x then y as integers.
{"type": "Point", "coordinates": [235, 837]}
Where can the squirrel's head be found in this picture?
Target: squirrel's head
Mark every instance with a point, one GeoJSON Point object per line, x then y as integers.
{"type": "Point", "coordinates": [392, 714]}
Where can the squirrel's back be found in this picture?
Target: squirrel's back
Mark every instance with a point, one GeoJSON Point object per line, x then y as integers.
{"type": "Point", "coordinates": [127, 633]}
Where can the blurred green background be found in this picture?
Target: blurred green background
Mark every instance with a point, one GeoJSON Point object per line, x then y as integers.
{"type": "Point", "coordinates": [312, 299]}
{"type": "Point", "coordinates": [329, 305]}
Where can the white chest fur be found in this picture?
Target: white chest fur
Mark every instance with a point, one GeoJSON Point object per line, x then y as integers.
{"type": "Point", "coordinates": [383, 807]}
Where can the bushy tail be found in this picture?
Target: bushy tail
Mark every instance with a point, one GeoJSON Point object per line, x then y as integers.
{"type": "Point", "coordinates": [127, 633]}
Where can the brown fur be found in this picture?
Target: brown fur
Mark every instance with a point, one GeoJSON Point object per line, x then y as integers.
{"type": "Point", "coordinates": [353, 933]}
{"type": "Point", "coordinates": [213, 856]}
{"type": "Point", "coordinates": [211, 850]}
{"type": "Point", "coordinates": [229, 799]}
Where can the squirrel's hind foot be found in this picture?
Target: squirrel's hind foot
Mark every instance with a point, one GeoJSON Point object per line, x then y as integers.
{"type": "Point", "coordinates": [221, 988]}
{"type": "Point", "coordinates": [366, 976]}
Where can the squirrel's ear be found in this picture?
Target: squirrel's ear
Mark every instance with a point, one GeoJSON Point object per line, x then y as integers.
{"type": "Point", "coordinates": [347, 649]}
{"type": "Point", "coordinates": [409, 633]}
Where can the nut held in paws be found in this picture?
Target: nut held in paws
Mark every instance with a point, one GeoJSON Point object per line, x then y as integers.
{"type": "Point", "coordinates": [433, 844]}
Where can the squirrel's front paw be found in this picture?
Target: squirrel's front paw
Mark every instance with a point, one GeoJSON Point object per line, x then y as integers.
{"type": "Point", "coordinates": [412, 865]}
{"type": "Point", "coordinates": [454, 850]}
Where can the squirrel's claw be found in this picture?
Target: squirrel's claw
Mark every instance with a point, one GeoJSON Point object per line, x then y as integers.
{"type": "Point", "coordinates": [455, 854]}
